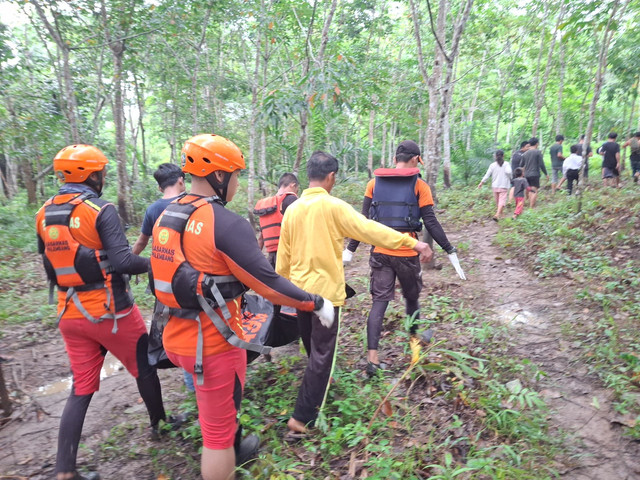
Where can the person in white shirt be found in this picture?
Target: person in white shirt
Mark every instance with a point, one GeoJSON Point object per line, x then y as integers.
{"type": "Point", "coordinates": [500, 173]}
{"type": "Point", "coordinates": [571, 169]}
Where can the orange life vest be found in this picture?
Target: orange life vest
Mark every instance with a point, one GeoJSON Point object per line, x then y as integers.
{"type": "Point", "coordinates": [73, 267]}
{"type": "Point", "coordinates": [186, 291]}
{"type": "Point", "coordinates": [270, 212]}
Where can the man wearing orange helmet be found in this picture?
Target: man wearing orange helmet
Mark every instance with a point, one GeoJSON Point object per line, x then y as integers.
{"type": "Point", "coordinates": [86, 254]}
{"type": "Point", "coordinates": [202, 257]}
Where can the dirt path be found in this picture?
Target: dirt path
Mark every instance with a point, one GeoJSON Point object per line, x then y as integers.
{"type": "Point", "coordinates": [534, 311]}
{"type": "Point", "coordinates": [28, 443]}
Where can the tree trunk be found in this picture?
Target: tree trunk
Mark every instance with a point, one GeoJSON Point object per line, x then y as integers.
{"type": "Point", "coordinates": [319, 61]}
{"type": "Point", "coordinates": [26, 171]}
{"type": "Point", "coordinates": [447, 89]}
{"type": "Point", "coordinates": [100, 99]}
{"type": "Point", "coordinates": [141, 111]}
{"type": "Point", "coordinates": [383, 147]}
{"type": "Point", "coordinates": [117, 46]}
{"type": "Point", "coordinates": [599, 80]}
{"type": "Point", "coordinates": [253, 126]}
{"type": "Point", "coordinates": [372, 120]}
{"type": "Point", "coordinates": [474, 100]}
{"type": "Point", "coordinates": [391, 142]}
{"type": "Point", "coordinates": [70, 106]}
{"type": "Point", "coordinates": [539, 103]}
{"type": "Point", "coordinates": [125, 208]}
{"type": "Point", "coordinates": [174, 126]}
{"type": "Point", "coordinates": [563, 68]}
{"type": "Point", "coordinates": [541, 49]}
{"type": "Point", "coordinates": [446, 151]}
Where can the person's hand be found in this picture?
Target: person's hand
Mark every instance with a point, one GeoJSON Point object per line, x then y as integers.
{"type": "Point", "coordinates": [426, 254]}
{"type": "Point", "coordinates": [324, 311]}
{"type": "Point", "coordinates": [480, 185]}
{"type": "Point", "coordinates": [453, 258]}
{"type": "Point", "coordinates": [347, 255]}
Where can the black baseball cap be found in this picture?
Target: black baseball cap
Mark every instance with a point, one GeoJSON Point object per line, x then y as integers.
{"type": "Point", "coordinates": [407, 150]}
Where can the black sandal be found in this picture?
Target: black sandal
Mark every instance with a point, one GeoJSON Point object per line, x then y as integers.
{"type": "Point", "coordinates": [373, 368]}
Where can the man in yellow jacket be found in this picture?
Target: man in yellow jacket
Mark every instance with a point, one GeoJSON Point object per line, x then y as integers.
{"type": "Point", "coordinates": [310, 255]}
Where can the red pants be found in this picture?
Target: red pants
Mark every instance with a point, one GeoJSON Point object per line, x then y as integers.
{"type": "Point", "coordinates": [220, 396]}
{"type": "Point", "coordinates": [87, 343]}
{"type": "Point", "coordinates": [519, 206]}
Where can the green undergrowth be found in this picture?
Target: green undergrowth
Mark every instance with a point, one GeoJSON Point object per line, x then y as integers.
{"type": "Point", "coordinates": [466, 409]}
{"type": "Point", "coordinates": [23, 288]}
{"type": "Point", "coordinates": [598, 251]}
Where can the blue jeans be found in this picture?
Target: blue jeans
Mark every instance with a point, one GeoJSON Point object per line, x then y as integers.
{"type": "Point", "coordinates": [188, 381]}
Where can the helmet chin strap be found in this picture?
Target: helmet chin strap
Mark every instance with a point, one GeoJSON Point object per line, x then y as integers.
{"type": "Point", "coordinates": [220, 188]}
{"type": "Point", "coordinates": [95, 184]}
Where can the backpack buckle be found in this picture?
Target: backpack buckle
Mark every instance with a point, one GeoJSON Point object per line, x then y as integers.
{"type": "Point", "coordinates": [197, 369]}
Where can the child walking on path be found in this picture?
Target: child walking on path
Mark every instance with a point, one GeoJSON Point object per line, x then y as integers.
{"type": "Point", "coordinates": [571, 169]}
{"type": "Point", "coordinates": [500, 173]}
{"type": "Point", "coordinates": [520, 189]}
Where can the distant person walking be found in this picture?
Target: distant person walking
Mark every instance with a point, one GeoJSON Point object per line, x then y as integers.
{"type": "Point", "coordinates": [555, 152]}
{"type": "Point", "coordinates": [517, 161]}
{"type": "Point", "coordinates": [634, 158]}
{"type": "Point", "coordinates": [586, 155]}
{"type": "Point", "coordinates": [500, 173]}
{"type": "Point", "coordinates": [171, 183]}
{"type": "Point", "coordinates": [520, 189]}
{"type": "Point", "coordinates": [533, 165]}
{"type": "Point", "coordinates": [571, 169]}
{"type": "Point", "coordinates": [610, 152]}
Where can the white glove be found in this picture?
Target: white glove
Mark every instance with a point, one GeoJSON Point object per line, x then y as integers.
{"type": "Point", "coordinates": [325, 313]}
{"type": "Point", "coordinates": [347, 255]}
{"type": "Point", "coordinates": [453, 258]}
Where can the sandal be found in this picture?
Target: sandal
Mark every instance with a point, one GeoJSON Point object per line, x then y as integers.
{"type": "Point", "coordinates": [373, 368]}
{"type": "Point", "coordinates": [294, 437]}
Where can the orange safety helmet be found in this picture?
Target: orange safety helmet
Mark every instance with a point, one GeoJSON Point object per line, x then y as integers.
{"type": "Point", "coordinates": [206, 153]}
{"type": "Point", "coordinates": [74, 164]}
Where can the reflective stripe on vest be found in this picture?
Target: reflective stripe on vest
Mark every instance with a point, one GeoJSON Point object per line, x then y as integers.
{"type": "Point", "coordinates": [76, 268]}
{"type": "Point", "coordinates": [186, 291]}
{"type": "Point", "coordinates": [394, 202]}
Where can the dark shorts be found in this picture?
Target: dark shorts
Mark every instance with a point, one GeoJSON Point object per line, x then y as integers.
{"type": "Point", "coordinates": [534, 181]}
{"type": "Point", "coordinates": [272, 257]}
{"type": "Point", "coordinates": [635, 163]}
{"type": "Point", "coordinates": [384, 271]}
{"type": "Point", "coordinates": [610, 172]}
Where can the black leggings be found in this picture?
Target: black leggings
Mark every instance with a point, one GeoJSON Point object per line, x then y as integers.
{"type": "Point", "coordinates": [376, 316]}
{"type": "Point", "coordinates": [76, 407]}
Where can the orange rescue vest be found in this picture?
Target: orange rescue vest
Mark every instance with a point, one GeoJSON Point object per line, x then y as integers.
{"type": "Point", "coordinates": [270, 212]}
{"type": "Point", "coordinates": [185, 291]}
{"type": "Point", "coordinates": [74, 267]}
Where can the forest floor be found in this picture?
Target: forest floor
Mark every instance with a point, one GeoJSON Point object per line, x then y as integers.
{"type": "Point", "coordinates": [531, 320]}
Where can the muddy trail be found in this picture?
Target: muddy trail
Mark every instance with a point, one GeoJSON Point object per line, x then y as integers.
{"type": "Point", "coordinates": [504, 292]}
{"type": "Point", "coordinates": [535, 310]}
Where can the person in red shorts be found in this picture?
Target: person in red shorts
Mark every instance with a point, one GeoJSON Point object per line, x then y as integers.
{"type": "Point", "coordinates": [86, 254]}
{"type": "Point", "coordinates": [202, 257]}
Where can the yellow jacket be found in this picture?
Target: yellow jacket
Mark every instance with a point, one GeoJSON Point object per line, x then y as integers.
{"type": "Point", "coordinates": [312, 239]}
